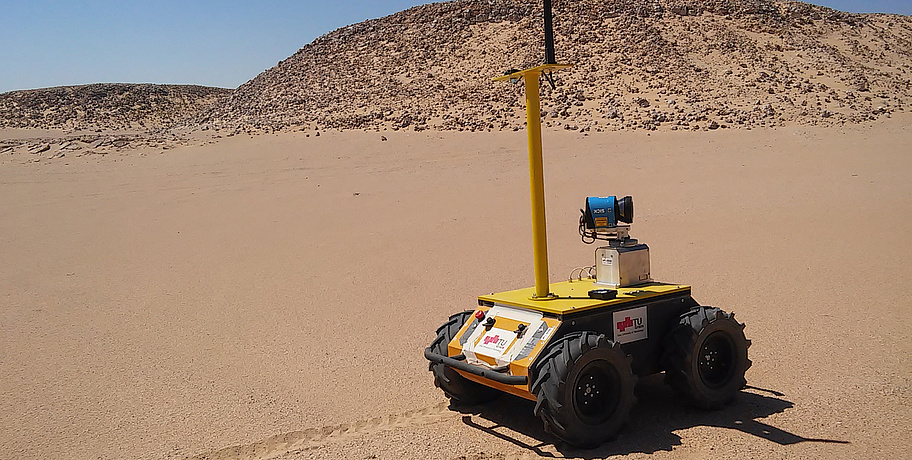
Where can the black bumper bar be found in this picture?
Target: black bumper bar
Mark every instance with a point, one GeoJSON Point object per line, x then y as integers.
{"type": "Point", "coordinates": [480, 371]}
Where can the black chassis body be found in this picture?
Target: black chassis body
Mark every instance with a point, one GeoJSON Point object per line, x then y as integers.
{"type": "Point", "coordinates": [663, 313]}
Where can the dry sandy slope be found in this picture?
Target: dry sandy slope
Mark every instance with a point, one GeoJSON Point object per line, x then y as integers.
{"type": "Point", "coordinates": [275, 294]}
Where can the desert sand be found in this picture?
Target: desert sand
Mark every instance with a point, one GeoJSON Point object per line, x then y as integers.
{"type": "Point", "coordinates": [271, 296]}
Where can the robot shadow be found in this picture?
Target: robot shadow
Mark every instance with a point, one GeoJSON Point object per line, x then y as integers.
{"type": "Point", "coordinates": [650, 428]}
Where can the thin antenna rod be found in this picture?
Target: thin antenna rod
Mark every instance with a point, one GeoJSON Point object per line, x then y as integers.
{"type": "Point", "coordinates": [549, 35]}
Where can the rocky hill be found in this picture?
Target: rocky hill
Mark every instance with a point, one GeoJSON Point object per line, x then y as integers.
{"type": "Point", "coordinates": [639, 64]}
{"type": "Point", "coordinates": [105, 106]}
{"type": "Point", "coordinates": [667, 64]}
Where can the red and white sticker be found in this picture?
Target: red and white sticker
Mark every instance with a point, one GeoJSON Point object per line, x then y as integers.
{"type": "Point", "coordinates": [630, 325]}
{"type": "Point", "coordinates": [495, 342]}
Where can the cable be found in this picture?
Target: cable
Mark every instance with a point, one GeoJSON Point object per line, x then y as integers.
{"type": "Point", "coordinates": [589, 236]}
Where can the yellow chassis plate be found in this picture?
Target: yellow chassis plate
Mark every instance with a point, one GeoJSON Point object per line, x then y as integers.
{"type": "Point", "coordinates": [573, 296]}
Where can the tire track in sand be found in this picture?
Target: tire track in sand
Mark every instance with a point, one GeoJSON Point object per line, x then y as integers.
{"type": "Point", "coordinates": [310, 438]}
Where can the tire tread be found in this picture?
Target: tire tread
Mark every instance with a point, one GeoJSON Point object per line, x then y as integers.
{"type": "Point", "coordinates": [680, 349]}
{"type": "Point", "coordinates": [550, 380]}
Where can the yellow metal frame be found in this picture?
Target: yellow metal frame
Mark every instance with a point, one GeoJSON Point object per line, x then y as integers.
{"type": "Point", "coordinates": [531, 79]}
{"type": "Point", "coordinates": [518, 367]}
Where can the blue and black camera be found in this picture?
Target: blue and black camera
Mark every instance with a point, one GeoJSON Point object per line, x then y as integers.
{"type": "Point", "coordinates": [606, 212]}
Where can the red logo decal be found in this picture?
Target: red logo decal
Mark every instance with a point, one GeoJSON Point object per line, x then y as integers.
{"type": "Point", "coordinates": [494, 339]}
{"type": "Point", "coordinates": [623, 325]}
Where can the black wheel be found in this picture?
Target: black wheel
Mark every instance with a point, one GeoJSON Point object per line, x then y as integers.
{"type": "Point", "coordinates": [706, 357]}
{"type": "Point", "coordinates": [584, 388]}
{"type": "Point", "coordinates": [456, 387]}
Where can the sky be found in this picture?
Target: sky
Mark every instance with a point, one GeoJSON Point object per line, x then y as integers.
{"type": "Point", "coordinates": [212, 43]}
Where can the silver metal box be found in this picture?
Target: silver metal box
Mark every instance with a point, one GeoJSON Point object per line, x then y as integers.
{"type": "Point", "coordinates": [622, 266]}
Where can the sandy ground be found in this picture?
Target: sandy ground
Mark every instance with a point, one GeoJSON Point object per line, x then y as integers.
{"type": "Point", "coordinates": [270, 297]}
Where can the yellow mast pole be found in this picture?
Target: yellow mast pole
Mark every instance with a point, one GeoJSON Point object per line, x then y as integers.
{"type": "Point", "coordinates": [537, 186]}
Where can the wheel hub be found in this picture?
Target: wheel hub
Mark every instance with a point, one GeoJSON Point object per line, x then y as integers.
{"type": "Point", "coordinates": [716, 360]}
{"type": "Point", "coordinates": [596, 393]}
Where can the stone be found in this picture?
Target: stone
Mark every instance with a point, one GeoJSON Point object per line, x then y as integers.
{"type": "Point", "coordinates": [39, 148]}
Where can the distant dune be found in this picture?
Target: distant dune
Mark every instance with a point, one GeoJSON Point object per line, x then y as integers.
{"type": "Point", "coordinates": [104, 106]}
{"type": "Point", "coordinates": [663, 64]}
